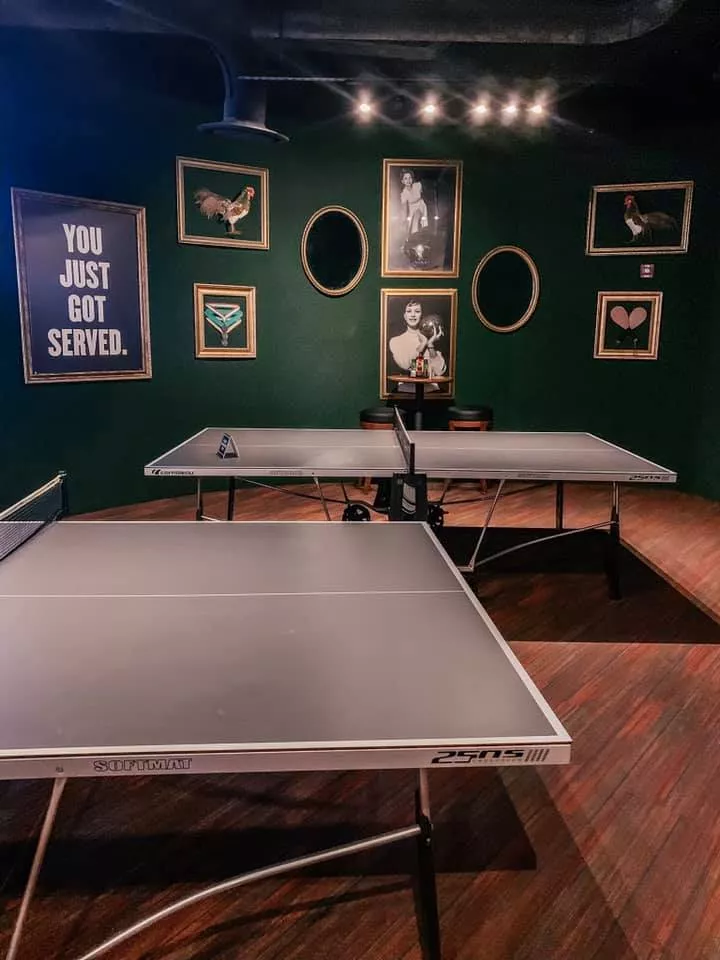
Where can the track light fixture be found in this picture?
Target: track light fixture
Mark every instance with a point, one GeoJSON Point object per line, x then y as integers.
{"type": "Point", "coordinates": [483, 109]}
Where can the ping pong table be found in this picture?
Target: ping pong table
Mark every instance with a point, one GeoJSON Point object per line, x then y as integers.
{"type": "Point", "coordinates": [151, 648]}
{"type": "Point", "coordinates": [406, 459]}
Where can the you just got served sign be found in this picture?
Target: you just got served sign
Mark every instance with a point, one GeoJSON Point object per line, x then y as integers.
{"type": "Point", "coordinates": [82, 280]}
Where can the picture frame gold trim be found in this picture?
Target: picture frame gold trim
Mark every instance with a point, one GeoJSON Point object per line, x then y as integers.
{"type": "Point", "coordinates": [30, 377]}
{"type": "Point", "coordinates": [445, 391]}
{"type": "Point", "coordinates": [385, 270]}
{"type": "Point", "coordinates": [202, 351]}
{"type": "Point", "coordinates": [534, 296]}
{"type": "Point", "coordinates": [364, 245]}
{"type": "Point", "coordinates": [181, 163]}
{"type": "Point", "coordinates": [604, 299]}
{"type": "Point", "coordinates": [592, 250]}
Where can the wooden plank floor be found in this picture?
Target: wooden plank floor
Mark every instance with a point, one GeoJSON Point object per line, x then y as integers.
{"type": "Point", "coordinates": [616, 856]}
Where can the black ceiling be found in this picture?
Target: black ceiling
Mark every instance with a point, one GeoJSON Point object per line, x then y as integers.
{"type": "Point", "coordinates": [650, 56]}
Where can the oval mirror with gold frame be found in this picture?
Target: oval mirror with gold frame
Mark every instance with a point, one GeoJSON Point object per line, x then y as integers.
{"type": "Point", "coordinates": [510, 287]}
{"type": "Point", "coordinates": [334, 250]}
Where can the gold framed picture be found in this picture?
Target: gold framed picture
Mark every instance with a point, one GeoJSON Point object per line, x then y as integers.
{"type": "Point", "coordinates": [414, 322]}
{"type": "Point", "coordinates": [222, 204]}
{"type": "Point", "coordinates": [625, 219]}
{"type": "Point", "coordinates": [627, 325]}
{"type": "Point", "coordinates": [224, 321]}
{"type": "Point", "coordinates": [421, 211]}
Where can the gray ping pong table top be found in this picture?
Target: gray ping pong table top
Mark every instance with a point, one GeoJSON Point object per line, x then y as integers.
{"type": "Point", "coordinates": [169, 647]}
{"type": "Point", "coordinates": [490, 455]}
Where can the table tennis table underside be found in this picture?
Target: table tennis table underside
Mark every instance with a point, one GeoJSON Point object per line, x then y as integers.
{"type": "Point", "coordinates": [80, 600]}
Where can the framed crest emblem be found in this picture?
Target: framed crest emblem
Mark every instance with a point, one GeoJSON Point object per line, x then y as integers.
{"type": "Point", "coordinates": [224, 321]}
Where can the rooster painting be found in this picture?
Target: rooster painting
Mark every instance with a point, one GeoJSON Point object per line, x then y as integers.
{"type": "Point", "coordinates": [227, 211]}
{"type": "Point", "coordinates": [642, 226]}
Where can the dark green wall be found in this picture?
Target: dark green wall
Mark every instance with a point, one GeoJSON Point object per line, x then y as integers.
{"type": "Point", "coordinates": [705, 469]}
{"type": "Point", "coordinates": [318, 357]}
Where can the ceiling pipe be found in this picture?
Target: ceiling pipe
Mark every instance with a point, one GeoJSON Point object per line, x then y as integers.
{"type": "Point", "coordinates": [504, 22]}
{"type": "Point", "coordinates": [579, 23]}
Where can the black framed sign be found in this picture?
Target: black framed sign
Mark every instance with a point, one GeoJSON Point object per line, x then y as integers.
{"type": "Point", "coordinates": [82, 281]}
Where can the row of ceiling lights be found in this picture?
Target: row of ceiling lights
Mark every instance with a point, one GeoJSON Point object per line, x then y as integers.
{"type": "Point", "coordinates": [483, 110]}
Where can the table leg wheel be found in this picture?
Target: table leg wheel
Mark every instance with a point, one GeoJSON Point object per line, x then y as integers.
{"type": "Point", "coordinates": [355, 512]}
{"type": "Point", "coordinates": [436, 515]}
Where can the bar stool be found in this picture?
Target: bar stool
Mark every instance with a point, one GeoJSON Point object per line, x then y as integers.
{"type": "Point", "coordinates": [470, 417]}
{"type": "Point", "coordinates": [375, 418]}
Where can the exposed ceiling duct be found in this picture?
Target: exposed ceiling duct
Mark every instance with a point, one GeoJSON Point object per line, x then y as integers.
{"type": "Point", "coordinates": [493, 21]}
{"type": "Point", "coordinates": [576, 22]}
{"type": "Point", "coordinates": [244, 108]}
{"type": "Point", "coordinates": [245, 103]}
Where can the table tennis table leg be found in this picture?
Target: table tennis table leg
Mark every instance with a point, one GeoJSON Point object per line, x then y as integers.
{"type": "Point", "coordinates": [49, 820]}
{"type": "Point", "coordinates": [429, 920]}
{"type": "Point", "coordinates": [612, 553]}
{"type": "Point", "coordinates": [559, 504]}
{"type": "Point", "coordinates": [198, 500]}
{"type": "Point", "coordinates": [231, 498]}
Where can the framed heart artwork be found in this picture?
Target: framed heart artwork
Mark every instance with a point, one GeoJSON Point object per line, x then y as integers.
{"type": "Point", "coordinates": [627, 325]}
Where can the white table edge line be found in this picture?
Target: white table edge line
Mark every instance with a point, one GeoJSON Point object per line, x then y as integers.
{"type": "Point", "coordinates": [520, 670]}
{"type": "Point", "coordinates": [211, 596]}
{"type": "Point", "coordinates": [141, 751]}
{"type": "Point", "coordinates": [179, 445]}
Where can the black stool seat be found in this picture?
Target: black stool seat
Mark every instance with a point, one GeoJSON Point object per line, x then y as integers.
{"type": "Point", "coordinates": [377, 415]}
{"type": "Point", "coordinates": [477, 413]}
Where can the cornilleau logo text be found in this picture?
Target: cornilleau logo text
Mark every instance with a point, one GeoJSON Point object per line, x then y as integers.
{"type": "Point", "coordinates": [164, 472]}
{"type": "Point", "coordinates": [157, 765]}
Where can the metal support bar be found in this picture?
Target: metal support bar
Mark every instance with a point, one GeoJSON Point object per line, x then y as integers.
{"type": "Point", "coordinates": [488, 518]}
{"type": "Point", "coordinates": [559, 504]}
{"type": "Point", "coordinates": [550, 536]}
{"type": "Point", "coordinates": [263, 873]}
{"type": "Point", "coordinates": [322, 498]}
{"type": "Point", "coordinates": [49, 820]}
{"type": "Point", "coordinates": [446, 487]}
{"type": "Point", "coordinates": [231, 498]}
{"type": "Point", "coordinates": [427, 887]}
{"type": "Point", "coordinates": [198, 499]}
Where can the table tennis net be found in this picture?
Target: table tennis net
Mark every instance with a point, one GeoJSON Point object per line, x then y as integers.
{"type": "Point", "coordinates": [25, 518]}
{"type": "Point", "coordinates": [404, 441]}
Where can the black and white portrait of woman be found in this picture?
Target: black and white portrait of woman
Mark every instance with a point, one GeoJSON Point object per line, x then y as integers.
{"type": "Point", "coordinates": [421, 218]}
{"type": "Point", "coordinates": [417, 323]}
